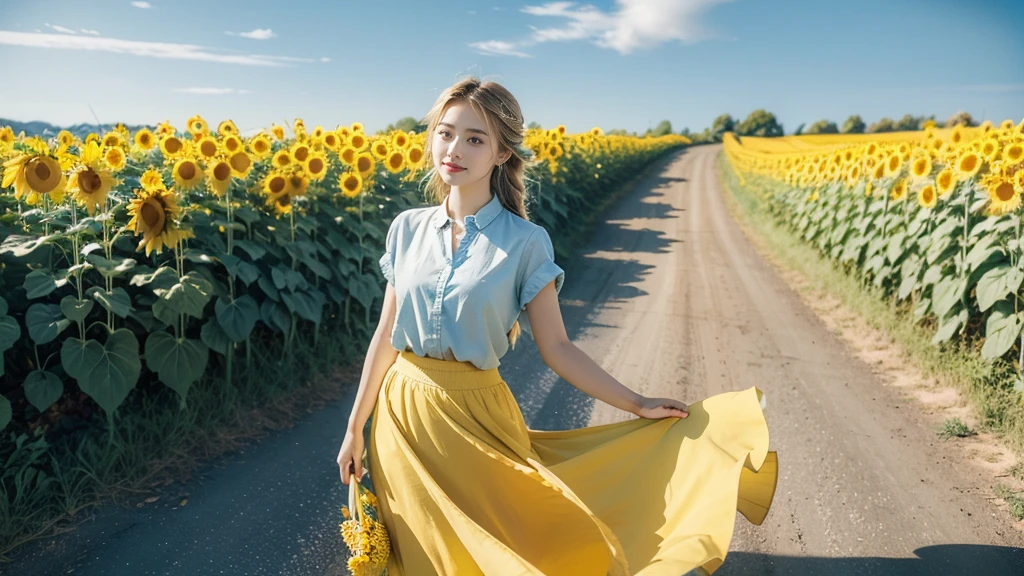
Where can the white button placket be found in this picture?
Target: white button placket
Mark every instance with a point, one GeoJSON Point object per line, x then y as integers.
{"type": "Point", "coordinates": [445, 235]}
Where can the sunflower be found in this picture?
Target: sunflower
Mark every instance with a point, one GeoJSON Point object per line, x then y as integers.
{"type": "Point", "coordinates": [348, 154]}
{"type": "Point", "coordinates": [33, 175]}
{"type": "Point", "coordinates": [112, 139]}
{"type": "Point", "coordinates": [899, 190]}
{"type": "Point", "coordinates": [7, 135]}
{"type": "Point", "coordinates": [357, 140]}
{"type": "Point", "coordinates": [277, 188]}
{"type": "Point", "coordinates": [260, 146]}
{"type": "Point", "coordinates": [152, 179]}
{"type": "Point", "coordinates": [218, 177]}
{"type": "Point", "coordinates": [921, 166]}
{"type": "Point", "coordinates": [958, 134]}
{"type": "Point", "coordinates": [231, 144]}
{"type": "Point", "coordinates": [879, 171]}
{"type": "Point", "coordinates": [395, 161]}
{"type": "Point", "coordinates": [893, 163]}
{"type": "Point", "coordinates": [144, 140]}
{"type": "Point", "coordinates": [945, 181]}
{"type": "Point", "coordinates": [300, 152]}
{"type": "Point", "coordinates": [171, 146]}
{"type": "Point", "coordinates": [65, 139]}
{"type": "Point", "coordinates": [1013, 153]}
{"type": "Point", "coordinates": [165, 129]}
{"type": "Point", "coordinates": [208, 147]}
{"type": "Point", "coordinates": [926, 196]}
{"type": "Point", "coordinates": [364, 164]}
{"type": "Point", "coordinates": [331, 140]}
{"type": "Point", "coordinates": [278, 132]}
{"type": "Point", "coordinates": [1003, 192]}
{"type": "Point", "coordinates": [187, 174]}
{"type": "Point", "coordinates": [400, 139]}
{"type": "Point", "coordinates": [197, 127]}
{"type": "Point", "coordinates": [154, 214]}
{"type": "Point", "coordinates": [240, 163]}
{"type": "Point", "coordinates": [115, 158]}
{"type": "Point", "coordinates": [967, 164]}
{"type": "Point", "coordinates": [350, 184]}
{"type": "Point", "coordinates": [90, 184]}
{"type": "Point", "coordinates": [227, 128]}
{"type": "Point", "coordinates": [316, 166]}
{"type": "Point", "coordinates": [379, 149]}
{"type": "Point", "coordinates": [989, 149]}
{"type": "Point", "coordinates": [282, 159]}
{"type": "Point", "coordinates": [415, 154]}
{"type": "Point", "coordinates": [357, 126]}
{"type": "Point", "coordinates": [298, 183]}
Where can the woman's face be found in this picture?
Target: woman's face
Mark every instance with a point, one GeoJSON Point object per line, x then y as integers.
{"type": "Point", "coordinates": [462, 138]}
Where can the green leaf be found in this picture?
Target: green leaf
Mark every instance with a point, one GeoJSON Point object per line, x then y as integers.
{"type": "Point", "coordinates": [116, 301]}
{"type": "Point", "coordinates": [21, 246]}
{"type": "Point", "coordinates": [981, 252]}
{"type": "Point", "coordinates": [45, 322]}
{"type": "Point", "coordinates": [107, 372]}
{"type": "Point", "coordinates": [188, 296]}
{"type": "Point", "coordinates": [996, 284]}
{"type": "Point", "coordinates": [276, 316]}
{"type": "Point", "coordinates": [1001, 330]}
{"type": "Point", "coordinates": [214, 337]}
{"type": "Point", "coordinates": [161, 279]}
{"type": "Point", "coordinates": [247, 215]}
{"type": "Point", "coordinates": [948, 327]}
{"type": "Point", "coordinates": [42, 389]}
{"type": "Point", "coordinates": [5, 412]}
{"type": "Point", "coordinates": [111, 268]}
{"type": "Point", "coordinates": [91, 247]}
{"type": "Point", "coordinates": [39, 283]}
{"type": "Point", "coordinates": [304, 305]}
{"type": "Point", "coordinates": [364, 289]}
{"type": "Point", "coordinates": [178, 362]}
{"type": "Point", "coordinates": [237, 318]}
{"type": "Point", "coordinates": [946, 294]}
{"type": "Point", "coordinates": [74, 309]}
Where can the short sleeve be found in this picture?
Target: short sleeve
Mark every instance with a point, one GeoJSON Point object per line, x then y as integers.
{"type": "Point", "coordinates": [538, 269]}
{"type": "Point", "coordinates": [387, 260]}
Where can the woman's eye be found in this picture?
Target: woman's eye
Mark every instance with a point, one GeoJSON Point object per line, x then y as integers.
{"type": "Point", "coordinates": [446, 134]}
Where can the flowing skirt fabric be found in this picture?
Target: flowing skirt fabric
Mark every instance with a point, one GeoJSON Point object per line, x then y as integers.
{"type": "Point", "coordinates": [465, 488]}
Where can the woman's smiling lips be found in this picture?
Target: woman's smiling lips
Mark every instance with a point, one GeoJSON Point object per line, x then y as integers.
{"type": "Point", "coordinates": [453, 167]}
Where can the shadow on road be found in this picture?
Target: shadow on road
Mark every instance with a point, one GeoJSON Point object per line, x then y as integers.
{"type": "Point", "coordinates": [946, 559]}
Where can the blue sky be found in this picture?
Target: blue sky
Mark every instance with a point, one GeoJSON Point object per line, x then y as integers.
{"type": "Point", "coordinates": [615, 64]}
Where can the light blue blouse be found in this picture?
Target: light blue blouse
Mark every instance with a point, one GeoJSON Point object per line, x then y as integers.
{"type": "Point", "coordinates": [461, 306]}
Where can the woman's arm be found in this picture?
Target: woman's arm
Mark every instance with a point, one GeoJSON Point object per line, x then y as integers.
{"type": "Point", "coordinates": [380, 355]}
{"type": "Point", "coordinates": [578, 369]}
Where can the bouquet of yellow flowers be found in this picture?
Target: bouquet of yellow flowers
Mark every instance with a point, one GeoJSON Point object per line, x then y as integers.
{"type": "Point", "coordinates": [362, 531]}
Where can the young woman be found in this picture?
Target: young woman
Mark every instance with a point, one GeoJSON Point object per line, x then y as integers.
{"type": "Point", "coordinates": [464, 487]}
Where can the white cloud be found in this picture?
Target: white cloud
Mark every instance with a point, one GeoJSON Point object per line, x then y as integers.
{"type": "Point", "coordinates": [142, 4]}
{"type": "Point", "coordinates": [164, 50]}
{"type": "Point", "coordinates": [93, 32]}
{"type": "Point", "coordinates": [632, 25]}
{"type": "Point", "coordinates": [325, 59]}
{"type": "Point", "coordinates": [207, 91]}
{"type": "Point", "coordinates": [499, 48]}
{"type": "Point", "coordinates": [60, 29]}
{"type": "Point", "coordinates": [257, 34]}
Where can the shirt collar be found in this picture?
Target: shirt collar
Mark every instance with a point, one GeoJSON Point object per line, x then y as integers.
{"type": "Point", "coordinates": [482, 218]}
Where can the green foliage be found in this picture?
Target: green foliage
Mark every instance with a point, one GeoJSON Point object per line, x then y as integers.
{"type": "Point", "coordinates": [823, 127]}
{"type": "Point", "coordinates": [760, 123]}
{"type": "Point", "coordinates": [854, 125]}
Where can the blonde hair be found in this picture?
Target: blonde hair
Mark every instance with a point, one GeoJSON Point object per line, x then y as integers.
{"type": "Point", "coordinates": [501, 111]}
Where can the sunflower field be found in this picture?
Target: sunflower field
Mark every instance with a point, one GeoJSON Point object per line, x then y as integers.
{"type": "Point", "coordinates": [931, 217]}
{"type": "Point", "coordinates": [162, 256]}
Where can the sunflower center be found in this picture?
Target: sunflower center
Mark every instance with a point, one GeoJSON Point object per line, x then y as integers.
{"type": "Point", "coordinates": [152, 214]}
{"type": "Point", "coordinates": [173, 145]}
{"type": "Point", "coordinates": [42, 174]}
{"type": "Point", "coordinates": [316, 166]}
{"type": "Point", "coordinates": [260, 146]}
{"type": "Point", "coordinates": [208, 148]}
{"type": "Point", "coordinates": [929, 194]}
{"type": "Point", "coordinates": [277, 184]}
{"type": "Point", "coordinates": [240, 162]}
{"type": "Point", "coordinates": [222, 171]}
{"type": "Point", "coordinates": [187, 170]}
{"type": "Point", "coordinates": [968, 163]}
{"type": "Point", "coordinates": [1004, 191]}
{"type": "Point", "coordinates": [89, 182]}
{"type": "Point", "coordinates": [301, 153]}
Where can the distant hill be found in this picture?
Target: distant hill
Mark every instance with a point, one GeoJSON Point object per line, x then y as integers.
{"type": "Point", "coordinates": [45, 129]}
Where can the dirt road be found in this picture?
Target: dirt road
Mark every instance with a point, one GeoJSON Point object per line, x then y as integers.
{"type": "Point", "coordinates": [671, 299]}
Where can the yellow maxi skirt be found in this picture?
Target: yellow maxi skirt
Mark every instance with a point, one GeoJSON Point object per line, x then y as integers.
{"type": "Point", "coordinates": [465, 488]}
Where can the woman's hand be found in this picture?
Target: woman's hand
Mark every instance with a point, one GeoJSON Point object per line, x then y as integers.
{"type": "Point", "coordinates": [350, 457]}
{"type": "Point", "coordinates": [661, 408]}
